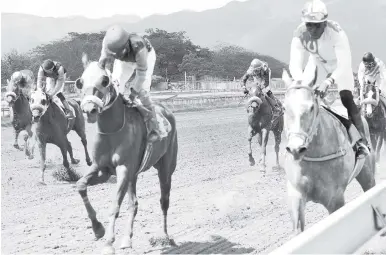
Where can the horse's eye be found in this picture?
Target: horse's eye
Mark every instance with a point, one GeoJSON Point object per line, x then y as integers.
{"type": "Point", "coordinates": [32, 100]}
{"type": "Point", "coordinates": [44, 102]}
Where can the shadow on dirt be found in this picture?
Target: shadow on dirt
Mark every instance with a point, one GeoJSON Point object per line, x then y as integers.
{"type": "Point", "coordinates": [219, 245]}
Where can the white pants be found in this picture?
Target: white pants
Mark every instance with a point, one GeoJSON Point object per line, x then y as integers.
{"type": "Point", "coordinates": [122, 71]}
{"type": "Point", "coordinates": [51, 84]}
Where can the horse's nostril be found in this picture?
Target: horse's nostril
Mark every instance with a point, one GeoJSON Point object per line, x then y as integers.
{"type": "Point", "coordinates": [302, 150]}
{"type": "Point", "coordinates": [93, 111]}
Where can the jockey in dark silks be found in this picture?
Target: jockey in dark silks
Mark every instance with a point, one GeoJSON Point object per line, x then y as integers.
{"type": "Point", "coordinates": [261, 74]}
{"type": "Point", "coordinates": [55, 75]}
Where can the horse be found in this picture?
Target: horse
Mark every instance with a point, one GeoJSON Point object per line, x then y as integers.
{"type": "Point", "coordinates": [17, 96]}
{"type": "Point", "coordinates": [318, 170]}
{"type": "Point", "coordinates": [121, 148]}
{"type": "Point", "coordinates": [375, 114]}
{"type": "Point", "coordinates": [260, 122]}
{"type": "Point", "coordinates": [50, 125]}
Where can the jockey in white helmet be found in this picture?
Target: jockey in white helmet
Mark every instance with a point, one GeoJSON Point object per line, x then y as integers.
{"type": "Point", "coordinates": [329, 50]}
{"type": "Point", "coordinates": [261, 74]}
{"type": "Point", "coordinates": [372, 70]}
{"type": "Point", "coordinates": [132, 52]}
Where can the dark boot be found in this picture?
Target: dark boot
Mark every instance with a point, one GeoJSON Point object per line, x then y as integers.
{"type": "Point", "coordinates": [68, 111]}
{"type": "Point", "coordinates": [355, 115]}
{"type": "Point", "coordinates": [275, 105]}
{"type": "Point", "coordinates": [151, 119]}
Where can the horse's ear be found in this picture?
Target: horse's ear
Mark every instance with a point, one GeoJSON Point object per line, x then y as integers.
{"type": "Point", "coordinates": [85, 60]}
{"type": "Point", "coordinates": [7, 82]}
{"type": "Point", "coordinates": [79, 83]}
{"type": "Point", "coordinates": [286, 78]}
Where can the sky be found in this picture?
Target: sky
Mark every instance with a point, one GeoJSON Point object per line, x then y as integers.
{"type": "Point", "coordinates": [107, 8]}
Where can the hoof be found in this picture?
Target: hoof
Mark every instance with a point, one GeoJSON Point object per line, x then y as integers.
{"type": "Point", "coordinates": [99, 230]}
{"type": "Point", "coordinates": [75, 161]}
{"type": "Point", "coordinates": [126, 243]}
{"type": "Point", "coordinates": [277, 168]}
{"type": "Point", "coordinates": [162, 241]}
{"type": "Point", "coordinates": [30, 157]}
{"type": "Point", "coordinates": [41, 183]}
{"type": "Point", "coordinates": [16, 146]}
{"type": "Point", "coordinates": [251, 160]}
{"type": "Point", "coordinates": [107, 250]}
{"type": "Point", "coordinates": [88, 161]}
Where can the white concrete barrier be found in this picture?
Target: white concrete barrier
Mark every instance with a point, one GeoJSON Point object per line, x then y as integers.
{"type": "Point", "coordinates": [346, 230]}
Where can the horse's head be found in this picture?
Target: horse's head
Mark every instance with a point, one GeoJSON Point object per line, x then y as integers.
{"type": "Point", "coordinates": [97, 87]}
{"type": "Point", "coordinates": [39, 103]}
{"type": "Point", "coordinates": [301, 109]}
{"type": "Point", "coordinates": [369, 97]}
{"type": "Point", "coordinates": [13, 88]}
{"type": "Point", "coordinates": [254, 103]}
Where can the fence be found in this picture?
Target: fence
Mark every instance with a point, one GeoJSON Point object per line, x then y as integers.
{"type": "Point", "coordinates": [346, 230]}
{"type": "Point", "coordinates": [208, 94]}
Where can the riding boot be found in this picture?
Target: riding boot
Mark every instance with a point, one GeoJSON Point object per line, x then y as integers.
{"type": "Point", "coordinates": [151, 119]}
{"type": "Point", "coordinates": [68, 109]}
{"type": "Point", "coordinates": [276, 107]}
{"type": "Point", "coordinates": [363, 148]}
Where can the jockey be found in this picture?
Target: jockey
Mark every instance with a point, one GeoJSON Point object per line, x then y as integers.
{"type": "Point", "coordinates": [22, 82]}
{"type": "Point", "coordinates": [329, 51]}
{"type": "Point", "coordinates": [261, 74]}
{"type": "Point", "coordinates": [372, 70]}
{"type": "Point", "coordinates": [54, 71]}
{"type": "Point", "coordinates": [132, 52]}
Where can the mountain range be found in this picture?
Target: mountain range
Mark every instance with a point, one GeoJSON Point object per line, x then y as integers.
{"type": "Point", "coordinates": [264, 26]}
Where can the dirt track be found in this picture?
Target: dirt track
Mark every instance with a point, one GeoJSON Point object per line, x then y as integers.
{"type": "Point", "coordinates": [219, 204]}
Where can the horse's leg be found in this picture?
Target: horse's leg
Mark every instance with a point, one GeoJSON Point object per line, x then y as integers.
{"type": "Point", "coordinates": [82, 134]}
{"type": "Point", "coordinates": [123, 180]}
{"type": "Point", "coordinates": [335, 204]}
{"type": "Point", "coordinates": [265, 135]}
{"type": "Point", "coordinates": [92, 178]}
{"type": "Point", "coordinates": [69, 149]}
{"type": "Point", "coordinates": [63, 150]}
{"type": "Point", "coordinates": [378, 146]}
{"type": "Point", "coordinates": [42, 151]}
{"type": "Point", "coordinates": [366, 177]}
{"type": "Point", "coordinates": [277, 135]}
{"type": "Point", "coordinates": [15, 143]}
{"type": "Point", "coordinates": [166, 167]}
{"type": "Point", "coordinates": [26, 142]}
{"type": "Point", "coordinates": [251, 134]}
{"type": "Point", "coordinates": [296, 204]}
{"type": "Point", "coordinates": [132, 209]}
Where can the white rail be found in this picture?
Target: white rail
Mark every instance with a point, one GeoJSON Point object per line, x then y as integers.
{"type": "Point", "coordinates": [346, 230]}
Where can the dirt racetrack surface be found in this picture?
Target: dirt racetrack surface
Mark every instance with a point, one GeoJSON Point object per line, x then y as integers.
{"type": "Point", "coordinates": [218, 203]}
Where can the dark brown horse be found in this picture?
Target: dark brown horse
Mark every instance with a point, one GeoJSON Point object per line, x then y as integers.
{"type": "Point", "coordinates": [375, 114]}
{"type": "Point", "coordinates": [260, 122]}
{"type": "Point", "coordinates": [121, 148]}
{"type": "Point", "coordinates": [50, 125]}
{"type": "Point", "coordinates": [17, 97]}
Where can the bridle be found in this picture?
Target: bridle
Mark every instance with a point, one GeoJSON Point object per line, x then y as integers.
{"type": "Point", "coordinates": [307, 136]}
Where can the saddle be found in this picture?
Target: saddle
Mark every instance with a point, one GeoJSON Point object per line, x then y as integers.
{"type": "Point", "coordinates": [61, 107]}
